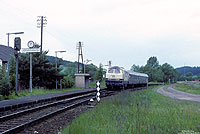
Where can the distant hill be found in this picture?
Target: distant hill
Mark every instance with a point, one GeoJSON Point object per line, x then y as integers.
{"type": "Point", "coordinates": [194, 70]}
{"type": "Point", "coordinates": [52, 59]}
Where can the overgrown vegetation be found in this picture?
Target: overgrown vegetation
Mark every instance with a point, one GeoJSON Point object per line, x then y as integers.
{"type": "Point", "coordinates": [68, 82]}
{"type": "Point", "coordinates": [188, 88]}
{"type": "Point", "coordinates": [142, 112]}
{"type": "Point", "coordinates": [4, 84]}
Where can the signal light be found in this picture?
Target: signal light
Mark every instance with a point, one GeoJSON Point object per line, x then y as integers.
{"type": "Point", "coordinates": [17, 44]}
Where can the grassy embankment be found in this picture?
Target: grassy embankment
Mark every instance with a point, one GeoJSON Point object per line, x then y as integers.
{"type": "Point", "coordinates": [187, 88]}
{"type": "Point", "coordinates": [142, 112]}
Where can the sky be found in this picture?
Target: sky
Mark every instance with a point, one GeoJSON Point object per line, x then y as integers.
{"type": "Point", "coordinates": [126, 32]}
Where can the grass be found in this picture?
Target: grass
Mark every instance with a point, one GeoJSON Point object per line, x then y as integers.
{"type": "Point", "coordinates": [180, 82]}
{"type": "Point", "coordinates": [165, 88]}
{"type": "Point", "coordinates": [93, 84]}
{"type": "Point", "coordinates": [141, 112]}
{"type": "Point", "coordinates": [26, 92]}
{"type": "Point", "coordinates": [161, 83]}
{"type": "Point", "coordinates": [187, 88]}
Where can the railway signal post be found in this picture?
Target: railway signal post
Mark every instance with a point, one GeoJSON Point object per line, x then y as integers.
{"type": "Point", "coordinates": [17, 47]}
{"type": "Point", "coordinates": [98, 91]}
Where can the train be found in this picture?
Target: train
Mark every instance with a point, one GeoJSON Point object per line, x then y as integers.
{"type": "Point", "coordinates": [118, 77]}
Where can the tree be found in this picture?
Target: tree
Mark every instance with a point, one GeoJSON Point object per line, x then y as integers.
{"type": "Point", "coordinates": [99, 73]}
{"type": "Point", "coordinates": [156, 72]}
{"type": "Point", "coordinates": [170, 74]}
{"type": "Point", "coordinates": [12, 71]}
{"type": "Point", "coordinates": [135, 68]}
{"type": "Point", "coordinates": [91, 69]}
{"type": "Point", "coordinates": [4, 84]}
{"type": "Point", "coordinates": [71, 69]}
{"type": "Point", "coordinates": [189, 74]}
{"type": "Point", "coordinates": [153, 62]}
{"type": "Point", "coordinates": [44, 73]}
{"type": "Point", "coordinates": [68, 82]}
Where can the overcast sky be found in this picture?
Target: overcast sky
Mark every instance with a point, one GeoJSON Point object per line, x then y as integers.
{"type": "Point", "coordinates": [126, 32]}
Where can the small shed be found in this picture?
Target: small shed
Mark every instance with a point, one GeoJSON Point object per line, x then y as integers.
{"type": "Point", "coordinates": [82, 80]}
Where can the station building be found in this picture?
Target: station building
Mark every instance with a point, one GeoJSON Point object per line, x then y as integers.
{"type": "Point", "coordinates": [5, 54]}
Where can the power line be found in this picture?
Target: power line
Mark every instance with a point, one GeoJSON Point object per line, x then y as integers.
{"type": "Point", "coordinates": [42, 21]}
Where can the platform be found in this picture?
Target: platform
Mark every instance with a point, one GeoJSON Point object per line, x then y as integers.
{"type": "Point", "coordinates": [29, 100]}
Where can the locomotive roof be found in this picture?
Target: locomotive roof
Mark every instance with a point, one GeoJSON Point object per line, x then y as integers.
{"type": "Point", "coordinates": [131, 72]}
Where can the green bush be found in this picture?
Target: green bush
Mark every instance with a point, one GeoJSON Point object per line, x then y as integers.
{"type": "Point", "coordinates": [68, 82]}
{"type": "Point", "coordinates": [4, 84]}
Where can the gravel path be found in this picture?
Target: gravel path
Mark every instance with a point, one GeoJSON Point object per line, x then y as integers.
{"type": "Point", "coordinates": [194, 84]}
{"type": "Point", "coordinates": [175, 94]}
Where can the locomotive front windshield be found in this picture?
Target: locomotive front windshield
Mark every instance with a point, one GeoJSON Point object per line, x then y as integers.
{"type": "Point", "coordinates": [114, 70]}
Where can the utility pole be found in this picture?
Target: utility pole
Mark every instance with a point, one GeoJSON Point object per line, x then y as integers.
{"type": "Point", "coordinates": [80, 54]}
{"type": "Point", "coordinates": [42, 21]}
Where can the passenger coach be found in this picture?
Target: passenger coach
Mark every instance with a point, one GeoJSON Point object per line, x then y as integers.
{"type": "Point", "coordinates": [119, 77]}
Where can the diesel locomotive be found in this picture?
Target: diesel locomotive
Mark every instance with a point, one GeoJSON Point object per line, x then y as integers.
{"type": "Point", "coordinates": [118, 77]}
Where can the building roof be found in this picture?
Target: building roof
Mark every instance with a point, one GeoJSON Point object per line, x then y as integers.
{"type": "Point", "coordinates": [6, 52]}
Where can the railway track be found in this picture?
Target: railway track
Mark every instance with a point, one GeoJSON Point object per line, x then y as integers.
{"type": "Point", "coordinates": [22, 119]}
{"type": "Point", "coordinates": [15, 122]}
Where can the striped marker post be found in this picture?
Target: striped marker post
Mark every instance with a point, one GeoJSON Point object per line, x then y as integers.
{"type": "Point", "coordinates": [98, 91]}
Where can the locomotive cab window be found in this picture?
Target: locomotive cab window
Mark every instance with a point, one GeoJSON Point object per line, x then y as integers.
{"type": "Point", "coordinates": [110, 70]}
{"type": "Point", "coordinates": [117, 71]}
{"type": "Point", "coordinates": [114, 70]}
